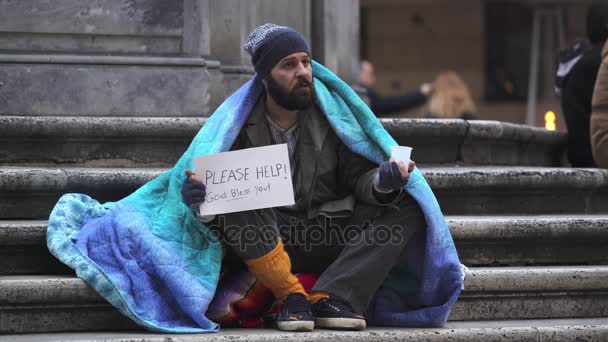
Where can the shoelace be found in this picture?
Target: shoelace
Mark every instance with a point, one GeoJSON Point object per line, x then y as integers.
{"type": "Point", "coordinates": [295, 304]}
{"type": "Point", "coordinates": [338, 305]}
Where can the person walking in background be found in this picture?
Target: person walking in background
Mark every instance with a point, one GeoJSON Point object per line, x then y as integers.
{"type": "Point", "coordinates": [386, 105]}
{"type": "Point", "coordinates": [451, 99]}
{"type": "Point", "coordinates": [578, 72]}
{"type": "Point", "coordinates": [599, 115]}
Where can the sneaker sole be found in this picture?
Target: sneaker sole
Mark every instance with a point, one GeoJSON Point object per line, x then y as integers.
{"type": "Point", "coordinates": [340, 323]}
{"type": "Point", "coordinates": [296, 326]}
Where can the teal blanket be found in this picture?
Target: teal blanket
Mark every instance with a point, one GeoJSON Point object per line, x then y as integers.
{"type": "Point", "coordinates": [150, 257]}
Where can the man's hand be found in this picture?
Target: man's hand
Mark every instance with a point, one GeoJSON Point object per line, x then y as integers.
{"type": "Point", "coordinates": [193, 190]}
{"type": "Point", "coordinates": [427, 89]}
{"type": "Point", "coordinates": [392, 176]}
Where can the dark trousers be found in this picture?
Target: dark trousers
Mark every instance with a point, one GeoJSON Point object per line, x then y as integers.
{"type": "Point", "coordinates": [353, 255]}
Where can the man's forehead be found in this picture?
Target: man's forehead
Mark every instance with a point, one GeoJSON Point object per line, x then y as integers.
{"type": "Point", "coordinates": [295, 55]}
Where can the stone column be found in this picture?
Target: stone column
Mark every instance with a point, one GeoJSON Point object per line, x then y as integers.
{"type": "Point", "coordinates": [232, 21]}
{"type": "Point", "coordinates": [335, 36]}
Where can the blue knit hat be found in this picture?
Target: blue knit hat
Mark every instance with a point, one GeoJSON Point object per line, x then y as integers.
{"type": "Point", "coordinates": [269, 43]}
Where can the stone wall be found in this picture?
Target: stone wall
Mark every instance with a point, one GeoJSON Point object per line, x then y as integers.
{"type": "Point", "coordinates": [105, 58]}
{"type": "Point", "coordinates": [149, 57]}
{"type": "Point", "coordinates": [335, 36]}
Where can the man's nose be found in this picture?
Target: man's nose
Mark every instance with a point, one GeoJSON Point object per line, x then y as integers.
{"type": "Point", "coordinates": [301, 70]}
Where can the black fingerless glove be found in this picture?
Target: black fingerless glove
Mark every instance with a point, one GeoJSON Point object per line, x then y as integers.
{"type": "Point", "coordinates": [388, 178]}
{"type": "Point", "coordinates": [193, 193]}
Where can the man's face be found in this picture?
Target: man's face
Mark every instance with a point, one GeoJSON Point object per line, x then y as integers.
{"type": "Point", "coordinates": [290, 82]}
{"type": "Point", "coordinates": [367, 76]}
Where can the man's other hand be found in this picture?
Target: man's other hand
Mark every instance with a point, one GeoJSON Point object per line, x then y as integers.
{"type": "Point", "coordinates": [392, 176]}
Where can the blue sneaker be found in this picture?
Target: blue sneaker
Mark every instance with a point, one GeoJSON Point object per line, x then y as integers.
{"type": "Point", "coordinates": [296, 314]}
{"type": "Point", "coordinates": [334, 313]}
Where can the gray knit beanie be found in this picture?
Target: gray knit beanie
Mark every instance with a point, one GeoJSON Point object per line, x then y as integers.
{"type": "Point", "coordinates": [269, 43]}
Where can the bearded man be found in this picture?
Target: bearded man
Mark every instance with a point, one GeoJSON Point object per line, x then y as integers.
{"type": "Point", "coordinates": [351, 219]}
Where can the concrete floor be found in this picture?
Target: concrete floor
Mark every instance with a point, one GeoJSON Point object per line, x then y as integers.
{"type": "Point", "coordinates": [590, 329]}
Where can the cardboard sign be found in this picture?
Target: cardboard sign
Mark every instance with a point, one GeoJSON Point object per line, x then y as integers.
{"type": "Point", "coordinates": [248, 179]}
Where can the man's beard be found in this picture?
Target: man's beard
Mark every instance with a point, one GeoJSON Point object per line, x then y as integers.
{"type": "Point", "coordinates": [292, 100]}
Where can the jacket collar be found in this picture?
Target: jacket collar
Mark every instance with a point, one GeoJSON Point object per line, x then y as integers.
{"type": "Point", "coordinates": [257, 127]}
{"type": "Point", "coordinates": [313, 132]}
{"type": "Point", "coordinates": [314, 128]}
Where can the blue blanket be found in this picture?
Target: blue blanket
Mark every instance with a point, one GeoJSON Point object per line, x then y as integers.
{"type": "Point", "coordinates": [150, 257]}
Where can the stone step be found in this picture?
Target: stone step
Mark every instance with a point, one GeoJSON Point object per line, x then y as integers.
{"type": "Point", "coordinates": [95, 141]}
{"type": "Point", "coordinates": [530, 240]}
{"type": "Point", "coordinates": [30, 192]}
{"type": "Point", "coordinates": [519, 190]}
{"type": "Point", "coordinates": [108, 84]}
{"type": "Point", "coordinates": [533, 292]}
{"type": "Point", "coordinates": [160, 141]}
{"type": "Point", "coordinates": [30, 304]}
{"type": "Point", "coordinates": [481, 241]}
{"type": "Point", "coordinates": [23, 249]}
{"type": "Point", "coordinates": [546, 330]}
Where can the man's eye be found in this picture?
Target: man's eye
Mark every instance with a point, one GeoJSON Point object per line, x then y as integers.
{"type": "Point", "coordinates": [306, 62]}
{"type": "Point", "coordinates": [289, 64]}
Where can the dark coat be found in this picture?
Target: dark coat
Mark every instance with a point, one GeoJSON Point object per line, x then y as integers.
{"type": "Point", "coordinates": [576, 96]}
{"type": "Point", "coordinates": [333, 177]}
{"type": "Point", "coordinates": [599, 116]}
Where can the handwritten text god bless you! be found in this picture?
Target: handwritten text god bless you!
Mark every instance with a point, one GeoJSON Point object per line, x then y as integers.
{"type": "Point", "coordinates": [240, 174]}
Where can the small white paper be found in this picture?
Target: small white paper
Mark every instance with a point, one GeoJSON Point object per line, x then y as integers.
{"type": "Point", "coordinates": [248, 179]}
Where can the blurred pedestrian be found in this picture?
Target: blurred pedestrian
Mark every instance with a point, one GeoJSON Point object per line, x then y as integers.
{"type": "Point", "coordinates": [386, 105]}
{"type": "Point", "coordinates": [599, 115]}
{"type": "Point", "coordinates": [451, 98]}
{"type": "Point", "coordinates": [578, 71]}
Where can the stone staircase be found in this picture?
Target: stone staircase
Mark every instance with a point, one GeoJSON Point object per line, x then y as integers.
{"type": "Point", "coordinates": [532, 234]}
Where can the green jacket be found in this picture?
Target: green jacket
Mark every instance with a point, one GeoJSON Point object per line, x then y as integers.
{"type": "Point", "coordinates": [333, 177]}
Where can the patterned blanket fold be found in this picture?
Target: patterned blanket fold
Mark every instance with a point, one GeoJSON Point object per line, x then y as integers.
{"type": "Point", "coordinates": [150, 257]}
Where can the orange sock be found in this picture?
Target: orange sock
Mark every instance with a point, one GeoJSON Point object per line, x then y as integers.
{"type": "Point", "coordinates": [273, 270]}
{"type": "Point", "coordinates": [315, 296]}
